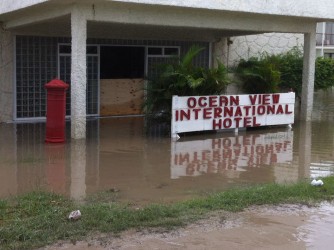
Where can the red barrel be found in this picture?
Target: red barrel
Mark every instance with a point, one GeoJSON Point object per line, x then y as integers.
{"type": "Point", "coordinates": [56, 111]}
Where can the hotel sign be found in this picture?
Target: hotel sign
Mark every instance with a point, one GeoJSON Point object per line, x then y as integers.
{"type": "Point", "coordinates": [216, 112]}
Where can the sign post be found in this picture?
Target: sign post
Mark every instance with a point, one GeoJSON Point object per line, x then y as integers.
{"type": "Point", "coordinates": [217, 112]}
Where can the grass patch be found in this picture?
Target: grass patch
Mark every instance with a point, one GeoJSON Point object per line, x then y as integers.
{"type": "Point", "coordinates": [39, 218]}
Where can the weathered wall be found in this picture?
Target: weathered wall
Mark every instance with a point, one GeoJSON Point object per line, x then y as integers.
{"type": "Point", "coordinates": [306, 8]}
{"type": "Point", "coordinates": [244, 47]}
{"type": "Point", "coordinates": [6, 75]}
{"type": "Point", "coordinates": [11, 5]}
{"type": "Point", "coordinates": [231, 50]}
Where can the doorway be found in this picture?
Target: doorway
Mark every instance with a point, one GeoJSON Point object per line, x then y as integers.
{"type": "Point", "coordinates": [122, 70]}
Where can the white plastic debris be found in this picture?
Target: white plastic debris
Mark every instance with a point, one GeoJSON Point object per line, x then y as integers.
{"type": "Point", "coordinates": [317, 183]}
{"type": "Point", "coordinates": [75, 215]}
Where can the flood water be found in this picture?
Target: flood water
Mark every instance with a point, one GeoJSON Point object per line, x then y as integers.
{"type": "Point", "coordinates": [139, 168]}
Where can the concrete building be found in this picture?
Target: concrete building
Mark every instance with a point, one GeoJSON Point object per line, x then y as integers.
{"type": "Point", "coordinates": [325, 39]}
{"type": "Point", "coordinates": [104, 48]}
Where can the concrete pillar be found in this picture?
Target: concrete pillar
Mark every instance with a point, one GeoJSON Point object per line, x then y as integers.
{"type": "Point", "coordinates": [304, 148]}
{"type": "Point", "coordinates": [78, 73]}
{"type": "Point", "coordinates": [78, 170]}
{"type": "Point", "coordinates": [6, 75]}
{"type": "Point", "coordinates": [220, 52]}
{"type": "Point", "coordinates": [308, 75]}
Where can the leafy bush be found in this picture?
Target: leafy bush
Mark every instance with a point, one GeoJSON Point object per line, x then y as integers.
{"type": "Point", "coordinates": [180, 77]}
{"type": "Point", "coordinates": [324, 73]}
{"type": "Point", "coordinates": [272, 73]}
{"type": "Point", "coordinates": [259, 75]}
{"type": "Point", "coordinates": [291, 68]}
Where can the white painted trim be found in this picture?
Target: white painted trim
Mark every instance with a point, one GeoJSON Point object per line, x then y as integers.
{"type": "Point", "coordinates": [98, 80]}
{"type": "Point", "coordinates": [306, 8]}
{"type": "Point", "coordinates": [37, 16]}
{"type": "Point", "coordinates": [163, 51]}
{"type": "Point", "coordinates": [14, 82]}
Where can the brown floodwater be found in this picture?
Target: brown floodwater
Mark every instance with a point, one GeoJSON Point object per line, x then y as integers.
{"type": "Point", "coordinates": [119, 155]}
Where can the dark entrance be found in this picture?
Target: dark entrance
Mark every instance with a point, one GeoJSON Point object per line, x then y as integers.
{"type": "Point", "coordinates": [122, 70]}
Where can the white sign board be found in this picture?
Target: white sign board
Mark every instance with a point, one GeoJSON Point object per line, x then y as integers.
{"type": "Point", "coordinates": [235, 153]}
{"type": "Point", "coordinates": [199, 113]}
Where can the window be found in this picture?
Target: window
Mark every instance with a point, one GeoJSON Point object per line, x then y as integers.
{"type": "Point", "coordinates": [154, 51]}
{"type": "Point", "coordinates": [163, 51]}
{"type": "Point", "coordinates": [329, 55]}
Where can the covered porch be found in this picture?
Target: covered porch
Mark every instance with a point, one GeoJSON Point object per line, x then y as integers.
{"type": "Point", "coordinates": [212, 23]}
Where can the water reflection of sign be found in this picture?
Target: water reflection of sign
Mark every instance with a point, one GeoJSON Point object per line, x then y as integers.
{"type": "Point", "coordinates": [199, 113]}
{"type": "Point", "coordinates": [236, 153]}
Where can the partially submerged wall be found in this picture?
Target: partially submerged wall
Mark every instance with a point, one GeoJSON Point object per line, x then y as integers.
{"type": "Point", "coordinates": [6, 75]}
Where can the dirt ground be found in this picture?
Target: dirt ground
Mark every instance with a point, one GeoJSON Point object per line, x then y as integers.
{"type": "Point", "coordinates": [266, 227]}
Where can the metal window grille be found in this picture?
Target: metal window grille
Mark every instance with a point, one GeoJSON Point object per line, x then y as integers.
{"type": "Point", "coordinates": [36, 65]}
{"type": "Point", "coordinates": [38, 62]}
{"type": "Point", "coordinates": [92, 107]}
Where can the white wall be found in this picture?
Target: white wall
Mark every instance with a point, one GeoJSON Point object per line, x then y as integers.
{"type": "Point", "coordinates": [244, 47]}
{"type": "Point", "coordinates": [305, 8]}
{"type": "Point", "coordinates": [11, 5]}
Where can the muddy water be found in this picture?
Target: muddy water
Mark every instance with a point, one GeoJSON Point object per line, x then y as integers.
{"type": "Point", "coordinates": [287, 227]}
{"type": "Point", "coordinates": [119, 156]}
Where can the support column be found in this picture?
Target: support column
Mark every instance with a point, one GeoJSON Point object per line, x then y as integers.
{"type": "Point", "coordinates": [220, 52]}
{"type": "Point", "coordinates": [6, 75]}
{"type": "Point", "coordinates": [308, 75]}
{"type": "Point", "coordinates": [304, 148]}
{"type": "Point", "coordinates": [78, 73]}
{"type": "Point", "coordinates": [78, 170]}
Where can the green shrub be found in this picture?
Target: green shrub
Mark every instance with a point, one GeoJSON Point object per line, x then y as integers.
{"type": "Point", "coordinates": [259, 75]}
{"type": "Point", "coordinates": [272, 73]}
{"type": "Point", "coordinates": [324, 73]}
{"type": "Point", "coordinates": [291, 68]}
{"type": "Point", "coordinates": [180, 77]}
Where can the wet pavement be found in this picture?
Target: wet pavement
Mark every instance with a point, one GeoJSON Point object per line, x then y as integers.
{"type": "Point", "coordinates": [288, 227]}
{"type": "Point", "coordinates": [118, 155]}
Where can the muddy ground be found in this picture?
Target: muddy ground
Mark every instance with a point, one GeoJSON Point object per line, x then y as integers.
{"type": "Point", "coordinates": [266, 227]}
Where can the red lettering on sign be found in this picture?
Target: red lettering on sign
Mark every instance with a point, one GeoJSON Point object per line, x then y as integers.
{"type": "Point", "coordinates": [196, 111]}
{"type": "Point", "coordinates": [238, 111]}
{"type": "Point", "coordinates": [252, 99]}
{"type": "Point", "coordinates": [271, 110]}
{"type": "Point", "coordinates": [184, 114]}
{"type": "Point", "coordinates": [227, 123]}
{"type": "Point", "coordinates": [234, 100]}
{"type": "Point", "coordinates": [213, 101]}
{"type": "Point", "coordinates": [207, 112]}
{"type": "Point", "coordinates": [255, 124]}
{"type": "Point", "coordinates": [223, 101]}
{"type": "Point", "coordinates": [191, 102]}
{"type": "Point", "coordinates": [266, 99]}
{"type": "Point", "coordinates": [287, 111]}
{"type": "Point", "coordinates": [276, 98]}
{"type": "Point", "coordinates": [218, 112]}
{"type": "Point", "coordinates": [228, 111]}
{"type": "Point", "coordinates": [279, 110]}
{"type": "Point", "coordinates": [247, 108]}
{"type": "Point", "coordinates": [202, 101]}
{"type": "Point", "coordinates": [261, 110]}
{"type": "Point", "coordinates": [237, 121]}
{"type": "Point", "coordinates": [247, 121]}
{"type": "Point", "coordinates": [217, 124]}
